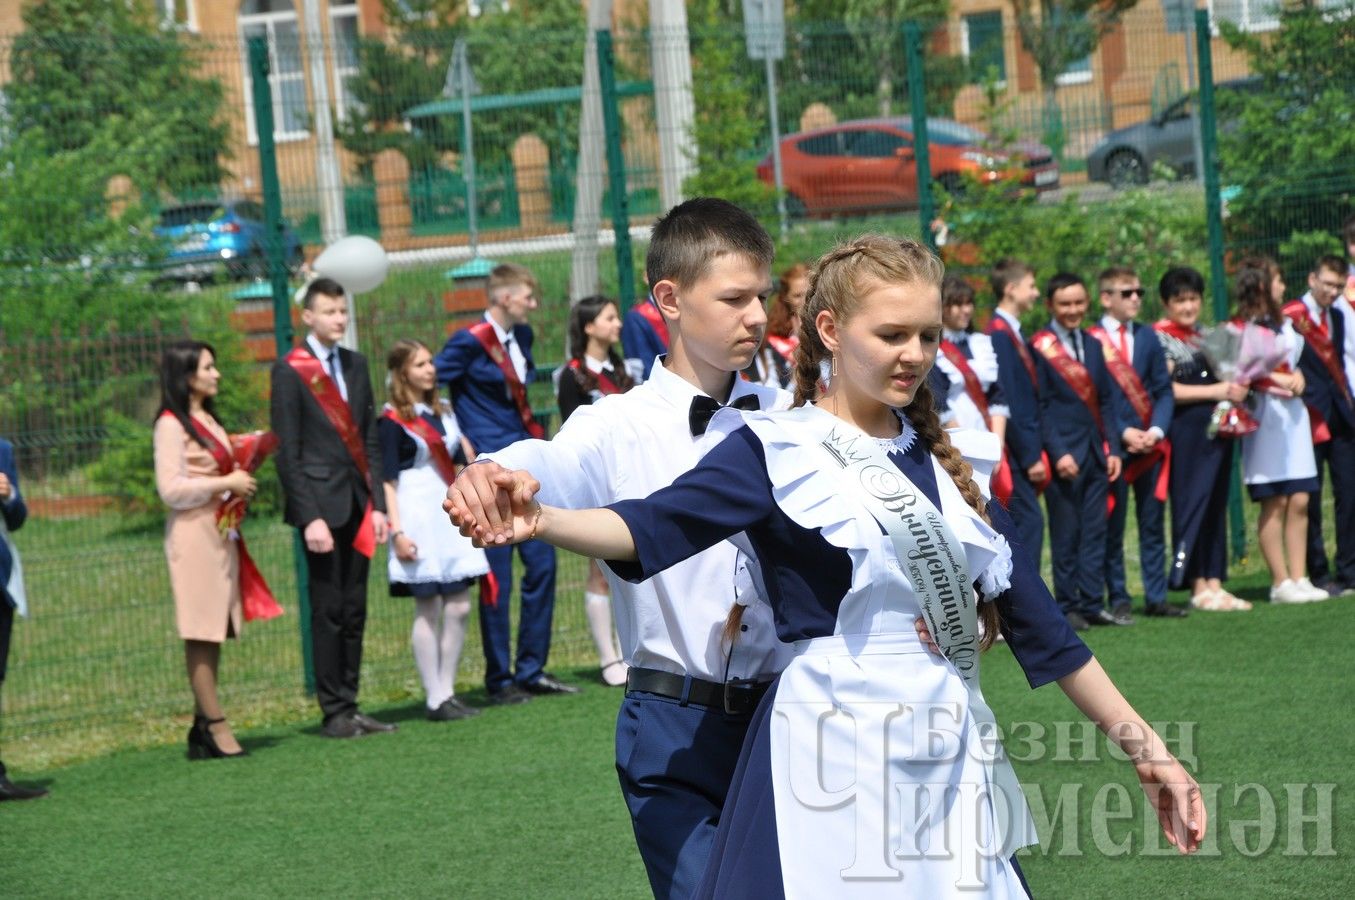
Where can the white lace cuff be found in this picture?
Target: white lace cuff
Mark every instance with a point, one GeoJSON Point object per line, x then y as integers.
{"type": "Point", "coordinates": [997, 578]}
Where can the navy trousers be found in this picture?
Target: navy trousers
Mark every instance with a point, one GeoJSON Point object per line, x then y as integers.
{"type": "Point", "coordinates": [1077, 538]}
{"type": "Point", "coordinates": [675, 763]}
{"type": "Point", "coordinates": [1152, 541]}
{"type": "Point", "coordinates": [534, 616]}
{"type": "Point", "coordinates": [1338, 456]}
{"type": "Point", "coordinates": [338, 594]}
{"type": "Point", "coordinates": [1024, 507]}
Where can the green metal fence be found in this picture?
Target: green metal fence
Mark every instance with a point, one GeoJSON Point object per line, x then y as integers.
{"type": "Point", "coordinates": [104, 130]}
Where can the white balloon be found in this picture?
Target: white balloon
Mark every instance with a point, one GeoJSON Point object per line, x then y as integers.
{"type": "Point", "coordinates": [356, 262]}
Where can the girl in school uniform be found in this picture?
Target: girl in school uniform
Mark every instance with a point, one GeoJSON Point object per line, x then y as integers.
{"type": "Point", "coordinates": [966, 356]}
{"type": "Point", "coordinates": [421, 449]}
{"type": "Point", "coordinates": [865, 516]}
{"type": "Point", "coordinates": [774, 363]}
{"type": "Point", "coordinates": [595, 370]}
{"type": "Point", "coordinates": [1278, 466]}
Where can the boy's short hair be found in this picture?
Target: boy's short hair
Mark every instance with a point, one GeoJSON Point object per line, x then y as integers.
{"type": "Point", "coordinates": [326, 286]}
{"type": "Point", "coordinates": [1058, 282]}
{"type": "Point", "coordinates": [955, 291]}
{"type": "Point", "coordinates": [1113, 274]}
{"type": "Point", "coordinates": [696, 231]}
{"type": "Point", "coordinates": [1180, 280]}
{"type": "Point", "coordinates": [1008, 271]}
{"type": "Point", "coordinates": [506, 275]}
{"type": "Point", "coordinates": [1332, 263]}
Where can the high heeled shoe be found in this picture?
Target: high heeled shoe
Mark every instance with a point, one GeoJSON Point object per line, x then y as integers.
{"type": "Point", "coordinates": [202, 743]}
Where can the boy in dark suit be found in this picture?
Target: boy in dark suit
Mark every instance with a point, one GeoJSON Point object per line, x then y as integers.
{"type": "Point", "coordinates": [1142, 394]}
{"type": "Point", "coordinates": [1327, 392]}
{"type": "Point", "coordinates": [1081, 434]}
{"type": "Point", "coordinates": [15, 512]}
{"type": "Point", "coordinates": [487, 368]}
{"type": "Point", "coordinates": [1014, 288]}
{"type": "Point", "coordinates": [324, 416]}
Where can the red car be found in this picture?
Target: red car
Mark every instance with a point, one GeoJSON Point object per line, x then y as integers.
{"type": "Point", "coordinates": [869, 164]}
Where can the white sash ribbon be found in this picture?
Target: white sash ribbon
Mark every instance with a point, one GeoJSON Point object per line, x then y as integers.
{"type": "Point", "coordinates": [933, 559]}
{"type": "Point", "coordinates": [15, 587]}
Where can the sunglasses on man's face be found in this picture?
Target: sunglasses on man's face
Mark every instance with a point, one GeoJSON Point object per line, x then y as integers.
{"type": "Point", "coordinates": [1126, 293]}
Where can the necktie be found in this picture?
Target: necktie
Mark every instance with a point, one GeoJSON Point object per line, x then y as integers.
{"type": "Point", "coordinates": [703, 408]}
{"type": "Point", "coordinates": [1124, 342]}
{"type": "Point", "coordinates": [1324, 322]}
{"type": "Point", "coordinates": [962, 342]}
{"type": "Point", "coordinates": [1077, 345]}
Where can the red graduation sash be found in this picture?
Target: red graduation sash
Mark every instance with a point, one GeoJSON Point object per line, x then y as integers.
{"type": "Point", "coordinates": [605, 384]}
{"type": "Point", "coordinates": [998, 323]}
{"type": "Point", "coordinates": [424, 431]}
{"type": "Point", "coordinates": [1048, 345]}
{"type": "Point", "coordinates": [1319, 341]}
{"type": "Point", "coordinates": [256, 599]}
{"type": "Point", "coordinates": [443, 464]}
{"type": "Point", "coordinates": [1127, 378]}
{"type": "Point", "coordinates": [489, 339]}
{"type": "Point", "coordinates": [1002, 475]}
{"type": "Point", "coordinates": [651, 314]}
{"type": "Point", "coordinates": [336, 410]}
{"type": "Point", "coordinates": [783, 345]}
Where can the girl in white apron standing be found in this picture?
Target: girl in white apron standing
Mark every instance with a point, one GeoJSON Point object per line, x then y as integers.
{"type": "Point", "coordinates": [872, 767]}
{"type": "Point", "coordinates": [421, 446]}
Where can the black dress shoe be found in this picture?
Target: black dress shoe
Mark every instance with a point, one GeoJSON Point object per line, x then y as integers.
{"type": "Point", "coordinates": [1076, 622]}
{"type": "Point", "coordinates": [342, 726]}
{"type": "Point", "coordinates": [451, 710]}
{"type": "Point", "coordinates": [370, 725]}
{"type": "Point", "coordinates": [1106, 617]}
{"type": "Point", "coordinates": [1336, 587]}
{"type": "Point", "coordinates": [11, 791]}
{"type": "Point", "coordinates": [509, 696]}
{"type": "Point", "coordinates": [549, 684]}
{"type": "Point", "coordinates": [1165, 611]}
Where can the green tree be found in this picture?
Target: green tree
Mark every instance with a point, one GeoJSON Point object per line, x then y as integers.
{"type": "Point", "coordinates": [89, 70]}
{"type": "Point", "coordinates": [1058, 33]}
{"type": "Point", "coordinates": [1287, 149]}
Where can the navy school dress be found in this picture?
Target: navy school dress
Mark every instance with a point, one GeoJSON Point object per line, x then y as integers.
{"type": "Point", "coordinates": [805, 578]}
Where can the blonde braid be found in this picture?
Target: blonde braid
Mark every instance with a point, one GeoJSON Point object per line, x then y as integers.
{"type": "Point", "coordinates": [922, 413]}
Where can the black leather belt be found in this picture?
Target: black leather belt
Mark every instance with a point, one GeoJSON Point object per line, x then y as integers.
{"type": "Point", "coordinates": [737, 697]}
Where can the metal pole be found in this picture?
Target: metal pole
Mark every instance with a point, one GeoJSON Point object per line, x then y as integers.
{"type": "Point", "coordinates": [616, 169]}
{"type": "Point", "coordinates": [468, 155]}
{"type": "Point", "coordinates": [917, 96]}
{"type": "Point", "coordinates": [1189, 22]}
{"type": "Point", "coordinates": [776, 125]}
{"type": "Point", "coordinates": [282, 311]}
{"type": "Point", "coordinates": [328, 182]}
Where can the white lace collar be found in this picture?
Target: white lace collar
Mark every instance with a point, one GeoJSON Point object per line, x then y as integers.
{"type": "Point", "coordinates": [904, 442]}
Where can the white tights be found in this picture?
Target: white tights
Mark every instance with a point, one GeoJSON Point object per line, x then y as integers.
{"type": "Point", "coordinates": [437, 652]}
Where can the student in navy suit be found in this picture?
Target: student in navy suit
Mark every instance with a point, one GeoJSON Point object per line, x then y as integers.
{"type": "Point", "coordinates": [1146, 419]}
{"type": "Point", "coordinates": [1081, 434]}
{"type": "Point", "coordinates": [14, 511]}
{"type": "Point", "coordinates": [1014, 288]}
{"type": "Point", "coordinates": [487, 368]}
{"type": "Point", "coordinates": [1328, 394]}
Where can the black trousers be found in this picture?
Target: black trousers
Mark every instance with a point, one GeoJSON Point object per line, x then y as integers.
{"type": "Point", "coordinates": [1338, 456]}
{"type": "Point", "coordinates": [338, 593]}
{"type": "Point", "coordinates": [6, 628]}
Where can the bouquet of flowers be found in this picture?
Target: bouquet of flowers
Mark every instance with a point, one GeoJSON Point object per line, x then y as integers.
{"type": "Point", "coordinates": [249, 450]}
{"type": "Point", "coordinates": [1245, 353]}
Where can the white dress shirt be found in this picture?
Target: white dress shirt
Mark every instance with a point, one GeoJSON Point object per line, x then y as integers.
{"type": "Point", "coordinates": [1012, 320]}
{"type": "Point", "coordinates": [515, 353]}
{"type": "Point", "coordinates": [336, 370]}
{"type": "Point", "coordinates": [1072, 341]}
{"type": "Point", "coordinates": [626, 446]}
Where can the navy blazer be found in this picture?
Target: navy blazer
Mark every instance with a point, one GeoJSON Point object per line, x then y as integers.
{"type": "Point", "coordinates": [1321, 391]}
{"type": "Point", "coordinates": [1066, 424]}
{"type": "Point", "coordinates": [1150, 361]}
{"type": "Point", "coordinates": [14, 511]}
{"type": "Point", "coordinates": [640, 340]}
{"type": "Point", "coordinates": [484, 405]}
{"type": "Point", "coordinates": [1023, 427]}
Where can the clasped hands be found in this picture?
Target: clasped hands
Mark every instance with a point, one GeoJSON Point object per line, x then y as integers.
{"type": "Point", "coordinates": [493, 506]}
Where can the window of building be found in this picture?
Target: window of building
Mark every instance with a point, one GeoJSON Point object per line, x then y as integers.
{"type": "Point", "coordinates": [343, 37]}
{"type": "Point", "coordinates": [275, 20]}
{"type": "Point", "coordinates": [981, 41]}
{"type": "Point", "coordinates": [180, 14]}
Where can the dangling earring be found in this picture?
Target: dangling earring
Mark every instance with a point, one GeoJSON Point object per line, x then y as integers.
{"type": "Point", "coordinates": [833, 369]}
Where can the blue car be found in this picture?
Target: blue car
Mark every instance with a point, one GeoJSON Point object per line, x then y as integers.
{"type": "Point", "coordinates": [205, 239]}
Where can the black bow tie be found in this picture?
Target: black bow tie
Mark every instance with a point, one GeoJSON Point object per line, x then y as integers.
{"type": "Point", "coordinates": [703, 407]}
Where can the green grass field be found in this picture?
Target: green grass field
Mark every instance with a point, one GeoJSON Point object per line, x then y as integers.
{"type": "Point", "coordinates": [523, 801]}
